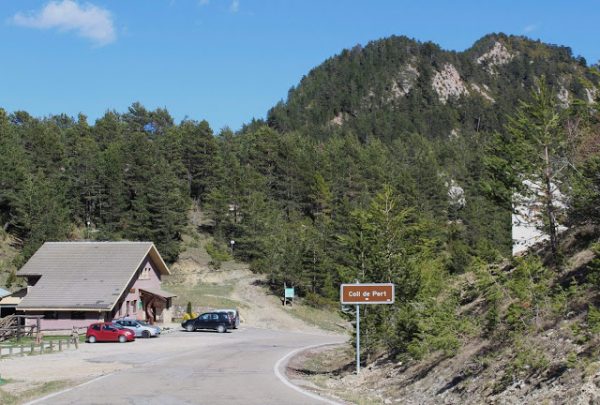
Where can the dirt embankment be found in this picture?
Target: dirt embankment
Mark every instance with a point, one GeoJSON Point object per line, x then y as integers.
{"type": "Point", "coordinates": [467, 378]}
{"type": "Point", "coordinates": [555, 362]}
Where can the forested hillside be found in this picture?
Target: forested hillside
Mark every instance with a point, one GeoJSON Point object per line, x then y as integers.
{"type": "Point", "coordinates": [394, 162]}
{"type": "Point", "coordinates": [398, 86]}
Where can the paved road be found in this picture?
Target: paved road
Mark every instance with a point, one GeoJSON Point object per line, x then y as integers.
{"type": "Point", "coordinates": [211, 368]}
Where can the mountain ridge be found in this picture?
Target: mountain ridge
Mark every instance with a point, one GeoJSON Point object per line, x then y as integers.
{"type": "Point", "coordinates": [419, 87]}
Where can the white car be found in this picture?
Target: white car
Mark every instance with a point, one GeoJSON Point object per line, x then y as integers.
{"type": "Point", "coordinates": [234, 315]}
{"type": "Point", "coordinates": [141, 328]}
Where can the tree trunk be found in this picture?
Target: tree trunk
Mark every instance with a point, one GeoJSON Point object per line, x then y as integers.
{"type": "Point", "coordinates": [552, 228]}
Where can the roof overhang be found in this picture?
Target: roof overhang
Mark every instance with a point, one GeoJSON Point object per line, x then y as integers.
{"type": "Point", "coordinates": [63, 309]}
{"type": "Point", "coordinates": [158, 260]}
{"type": "Point", "coordinates": [158, 292]}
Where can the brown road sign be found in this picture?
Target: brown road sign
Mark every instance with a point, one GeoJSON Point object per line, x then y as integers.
{"type": "Point", "coordinates": [376, 293]}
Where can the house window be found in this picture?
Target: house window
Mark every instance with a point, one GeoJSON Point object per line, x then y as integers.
{"type": "Point", "coordinates": [51, 315]}
{"type": "Point", "coordinates": [145, 275]}
{"type": "Point", "coordinates": [77, 315]}
{"type": "Point", "coordinates": [134, 306]}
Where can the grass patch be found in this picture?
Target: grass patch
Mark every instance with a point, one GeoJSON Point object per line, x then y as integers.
{"type": "Point", "coordinates": [330, 360]}
{"type": "Point", "coordinates": [325, 319]}
{"type": "Point", "coordinates": [193, 248]}
{"type": "Point", "coordinates": [359, 399]}
{"type": "Point", "coordinates": [325, 366]}
{"type": "Point", "coordinates": [44, 389]}
{"type": "Point", "coordinates": [205, 295]}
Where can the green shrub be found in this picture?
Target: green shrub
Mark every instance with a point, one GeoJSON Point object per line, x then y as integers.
{"type": "Point", "coordinates": [218, 254]}
{"type": "Point", "coordinates": [572, 360]}
{"type": "Point", "coordinates": [593, 275]}
{"type": "Point", "coordinates": [593, 319]}
{"type": "Point", "coordinates": [529, 360]}
{"type": "Point", "coordinates": [318, 301]}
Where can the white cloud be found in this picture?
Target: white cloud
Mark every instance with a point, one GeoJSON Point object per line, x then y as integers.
{"type": "Point", "coordinates": [530, 28]}
{"type": "Point", "coordinates": [235, 6]}
{"type": "Point", "coordinates": [87, 20]}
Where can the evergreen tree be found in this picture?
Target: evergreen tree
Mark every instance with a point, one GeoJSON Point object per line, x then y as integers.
{"type": "Point", "coordinates": [198, 156]}
{"type": "Point", "coordinates": [41, 212]}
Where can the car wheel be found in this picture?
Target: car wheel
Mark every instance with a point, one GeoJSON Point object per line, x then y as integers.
{"type": "Point", "coordinates": [146, 334]}
{"type": "Point", "coordinates": [221, 329]}
{"type": "Point", "coordinates": [92, 339]}
{"type": "Point", "coordinates": [189, 328]}
{"type": "Point", "coordinates": [122, 339]}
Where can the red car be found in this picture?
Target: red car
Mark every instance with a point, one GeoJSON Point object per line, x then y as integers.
{"type": "Point", "coordinates": [108, 332]}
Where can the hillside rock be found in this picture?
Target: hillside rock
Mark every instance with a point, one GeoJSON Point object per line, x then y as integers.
{"type": "Point", "coordinates": [497, 56]}
{"type": "Point", "coordinates": [447, 83]}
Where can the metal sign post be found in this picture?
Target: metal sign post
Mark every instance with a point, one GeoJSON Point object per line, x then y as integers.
{"type": "Point", "coordinates": [357, 339]}
{"type": "Point", "coordinates": [360, 294]}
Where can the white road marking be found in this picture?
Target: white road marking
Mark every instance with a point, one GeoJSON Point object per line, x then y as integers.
{"type": "Point", "coordinates": [283, 379]}
{"type": "Point", "coordinates": [37, 401]}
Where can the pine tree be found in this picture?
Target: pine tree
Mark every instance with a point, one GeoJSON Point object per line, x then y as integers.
{"type": "Point", "coordinates": [14, 167]}
{"type": "Point", "coordinates": [41, 212]}
{"type": "Point", "coordinates": [534, 148]}
{"type": "Point", "coordinates": [198, 156]}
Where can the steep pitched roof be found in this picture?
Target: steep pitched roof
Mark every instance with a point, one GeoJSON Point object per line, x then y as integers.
{"type": "Point", "coordinates": [84, 275]}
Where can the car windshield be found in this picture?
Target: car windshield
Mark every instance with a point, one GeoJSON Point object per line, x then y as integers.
{"type": "Point", "coordinates": [143, 323]}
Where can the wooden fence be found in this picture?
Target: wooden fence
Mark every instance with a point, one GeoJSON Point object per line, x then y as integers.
{"type": "Point", "coordinates": [13, 326]}
{"type": "Point", "coordinates": [47, 346]}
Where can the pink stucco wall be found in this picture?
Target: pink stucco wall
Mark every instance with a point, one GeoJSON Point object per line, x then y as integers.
{"type": "Point", "coordinates": [149, 277]}
{"type": "Point", "coordinates": [64, 321]}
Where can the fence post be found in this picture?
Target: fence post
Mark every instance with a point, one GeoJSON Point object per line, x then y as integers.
{"type": "Point", "coordinates": [52, 345]}
{"type": "Point", "coordinates": [42, 347]}
{"type": "Point", "coordinates": [60, 345]}
{"type": "Point", "coordinates": [10, 350]}
{"type": "Point", "coordinates": [22, 352]}
{"type": "Point", "coordinates": [32, 351]}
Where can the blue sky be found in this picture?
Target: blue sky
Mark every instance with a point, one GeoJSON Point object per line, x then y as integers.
{"type": "Point", "coordinates": [228, 61]}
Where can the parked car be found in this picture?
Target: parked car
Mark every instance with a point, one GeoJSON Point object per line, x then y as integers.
{"type": "Point", "coordinates": [140, 328]}
{"type": "Point", "coordinates": [108, 332]}
{"type": "Point", "coordinates": [218, 321]}
{"type": "Point", "coordinates": [234, 316]}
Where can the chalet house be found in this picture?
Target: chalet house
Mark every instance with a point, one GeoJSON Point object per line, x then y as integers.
{"type": "Point", "coordinates": [79, 283]}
